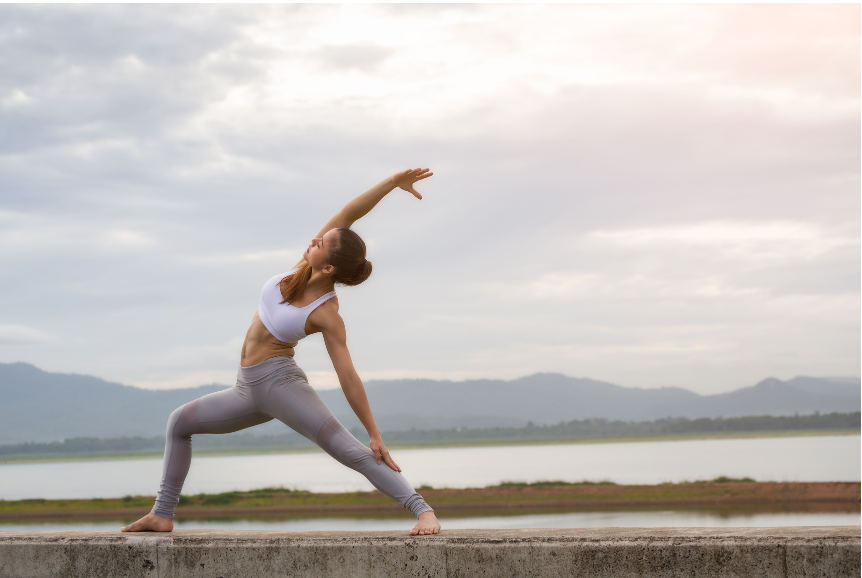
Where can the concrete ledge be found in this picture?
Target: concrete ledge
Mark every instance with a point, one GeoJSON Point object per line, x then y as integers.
{"type": "Point", "coordinates": [602, 552]}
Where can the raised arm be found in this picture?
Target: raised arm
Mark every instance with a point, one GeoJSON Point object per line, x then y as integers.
{"type": "Point", "coordinates": [362, 205]}
{"type": "Point", "coordinates": [331, 325]}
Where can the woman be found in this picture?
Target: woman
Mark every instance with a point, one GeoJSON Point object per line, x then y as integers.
{"type": "Point", "coordinates": [270, 385]}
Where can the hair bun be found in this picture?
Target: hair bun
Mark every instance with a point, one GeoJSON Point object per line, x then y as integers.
{"type": "Point", "coordinates": [347, 255]}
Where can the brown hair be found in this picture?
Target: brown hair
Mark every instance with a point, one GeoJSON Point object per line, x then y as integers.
{"type": "Point", "coordinates": [347, 255]}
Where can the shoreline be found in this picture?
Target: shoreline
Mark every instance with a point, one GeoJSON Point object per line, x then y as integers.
{"type": "Point", "coordinates": [496, 442]}
{"type": "Point", "coordinates": [724, 497]}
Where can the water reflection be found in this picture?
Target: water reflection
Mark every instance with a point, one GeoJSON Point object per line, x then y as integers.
{"type": "Point", "coordinates": [642, 519]}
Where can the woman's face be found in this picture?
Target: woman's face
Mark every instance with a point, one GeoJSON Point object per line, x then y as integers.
{"type": "Point", "coordinates": [317, 254]}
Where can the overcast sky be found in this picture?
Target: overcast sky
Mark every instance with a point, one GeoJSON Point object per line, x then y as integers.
{"type": "Point", "coordinates": [648, 195]}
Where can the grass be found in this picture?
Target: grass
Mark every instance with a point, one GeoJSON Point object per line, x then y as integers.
{"type": "Point", "coordinates": [726, 480]}
{"type": "Point", "coordinates": [148, 454]}
{"type": "Point", "coordinates": [548, 494]}
{"type": "Point", "coordinates": [550, 484]}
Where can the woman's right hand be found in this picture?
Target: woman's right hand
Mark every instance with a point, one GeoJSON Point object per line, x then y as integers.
{"type": "Point", "coordinates": [405, 179]}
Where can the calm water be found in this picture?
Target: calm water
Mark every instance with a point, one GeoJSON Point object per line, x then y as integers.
{"type": "Point", "coordinates": [827, 458]}
{"type": "Point", "coordinates": [572, 520]}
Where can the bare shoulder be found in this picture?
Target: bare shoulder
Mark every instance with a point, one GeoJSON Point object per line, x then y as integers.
{"type": "Point", "coordinates": [326, 317]}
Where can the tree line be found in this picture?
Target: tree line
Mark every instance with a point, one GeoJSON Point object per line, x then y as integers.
{"type": "Point", "coordinates": [575, 429]}
{"type": "Point", "coordinates": [603, 428]}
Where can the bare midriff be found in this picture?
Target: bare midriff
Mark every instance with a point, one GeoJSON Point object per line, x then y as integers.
{"type": "Point", "coordinates": [260, 345]}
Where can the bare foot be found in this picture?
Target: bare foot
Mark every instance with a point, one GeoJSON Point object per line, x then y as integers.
{"type": "Point", "coordinates": [428, 524]}
{"type": "Point", "coordinates": [150, 523]}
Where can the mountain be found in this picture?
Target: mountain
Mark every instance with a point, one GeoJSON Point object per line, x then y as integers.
{"type": "Point", "coordinates": [41, 406]}
{"type": "Point", "coordinates": [547, 398]}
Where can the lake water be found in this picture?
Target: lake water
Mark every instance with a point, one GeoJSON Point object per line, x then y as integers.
{"type": "Point", "coordinates": [810, 459]}
{"type": "Point", "coordinates": [569, 520]}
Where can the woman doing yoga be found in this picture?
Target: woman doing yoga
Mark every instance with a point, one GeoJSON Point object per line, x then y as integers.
{"type": "Point", "coordinates": [270, 385]}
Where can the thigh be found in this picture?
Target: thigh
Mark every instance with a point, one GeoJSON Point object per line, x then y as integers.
{"type": "Point", "coordinates": [229, 410]}
{"type": "Point", "coordinates": [289, 398]}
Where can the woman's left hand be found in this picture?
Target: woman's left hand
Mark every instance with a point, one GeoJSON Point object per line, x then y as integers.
{"type": "Point", "coordinates": [406, 179]}
{"type": "Point", "coordinates": [382, 454]}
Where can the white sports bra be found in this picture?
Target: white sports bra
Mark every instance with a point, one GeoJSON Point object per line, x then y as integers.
{"type": "Point", "coordinates": [284, 321]}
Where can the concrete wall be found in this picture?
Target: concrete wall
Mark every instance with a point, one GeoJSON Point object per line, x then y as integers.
{"type": "Point", "coordinates": [828, 552]}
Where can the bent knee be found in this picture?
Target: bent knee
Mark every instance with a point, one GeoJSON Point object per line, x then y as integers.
{"type": "Point", "coordinates": [182, 421]}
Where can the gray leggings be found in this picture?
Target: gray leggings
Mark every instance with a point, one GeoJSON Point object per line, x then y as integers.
{"type": "Point", "coordinates": [276, 388]}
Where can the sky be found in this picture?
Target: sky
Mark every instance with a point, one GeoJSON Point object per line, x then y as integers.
{"type": "Point", "coordinates": [651, 195]}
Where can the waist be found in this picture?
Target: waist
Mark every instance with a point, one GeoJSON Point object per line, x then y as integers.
{"type": "Point", "coordinates": [259, 371]}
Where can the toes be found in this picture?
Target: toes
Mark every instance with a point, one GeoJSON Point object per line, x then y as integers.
{"type": "Point", "coordinates": [423, 531]}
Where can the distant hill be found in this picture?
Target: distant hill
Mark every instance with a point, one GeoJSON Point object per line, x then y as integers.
{"type": "Point", "coordinates": [39, 406]}
{"type": "Point", "coordinates": [548, 398]}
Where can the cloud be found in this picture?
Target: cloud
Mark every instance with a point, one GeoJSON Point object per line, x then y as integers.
{"type": "Point", "coordinates": [21, 335]}
{"type": "Point", "coordinates": [362, 56]}
{"type": "Point", "coordinates": [769, 241]}
{"type": "Point", "coordinates": [675, 186]}
{"type": "Point", "coordinates": [183, 379]}
{"type": "Point", "coordinates": [26, 235]}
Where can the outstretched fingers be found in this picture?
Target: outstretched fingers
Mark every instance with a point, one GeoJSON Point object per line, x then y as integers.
{"type": "Point", "coordinates": [419, 174]}
{"type": "Point", "coordinates": [405, 179]}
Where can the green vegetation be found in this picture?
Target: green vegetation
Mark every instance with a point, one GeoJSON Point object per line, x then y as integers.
{"type": "Point", "coordinates": [603, 428]}
{"type": "Point", "coordinates": [508, 496]}
{"type": "Point", "coordinates": [132, 445]}
{"type": "Point", "coordinates": [550, 484]}
{"type": "Point", "coordinates": [576, 431]}
{"type": "Point", "coordinates": [262, 498]}
{"type": "Point", "coordinates": [726, 480]}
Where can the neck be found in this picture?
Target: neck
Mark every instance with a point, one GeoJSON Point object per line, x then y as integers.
{"type": "Point", "coordinates": [320, 282]}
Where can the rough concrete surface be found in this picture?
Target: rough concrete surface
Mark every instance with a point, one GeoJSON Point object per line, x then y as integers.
{"type": "Point", "coordinates": [828, 552]}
